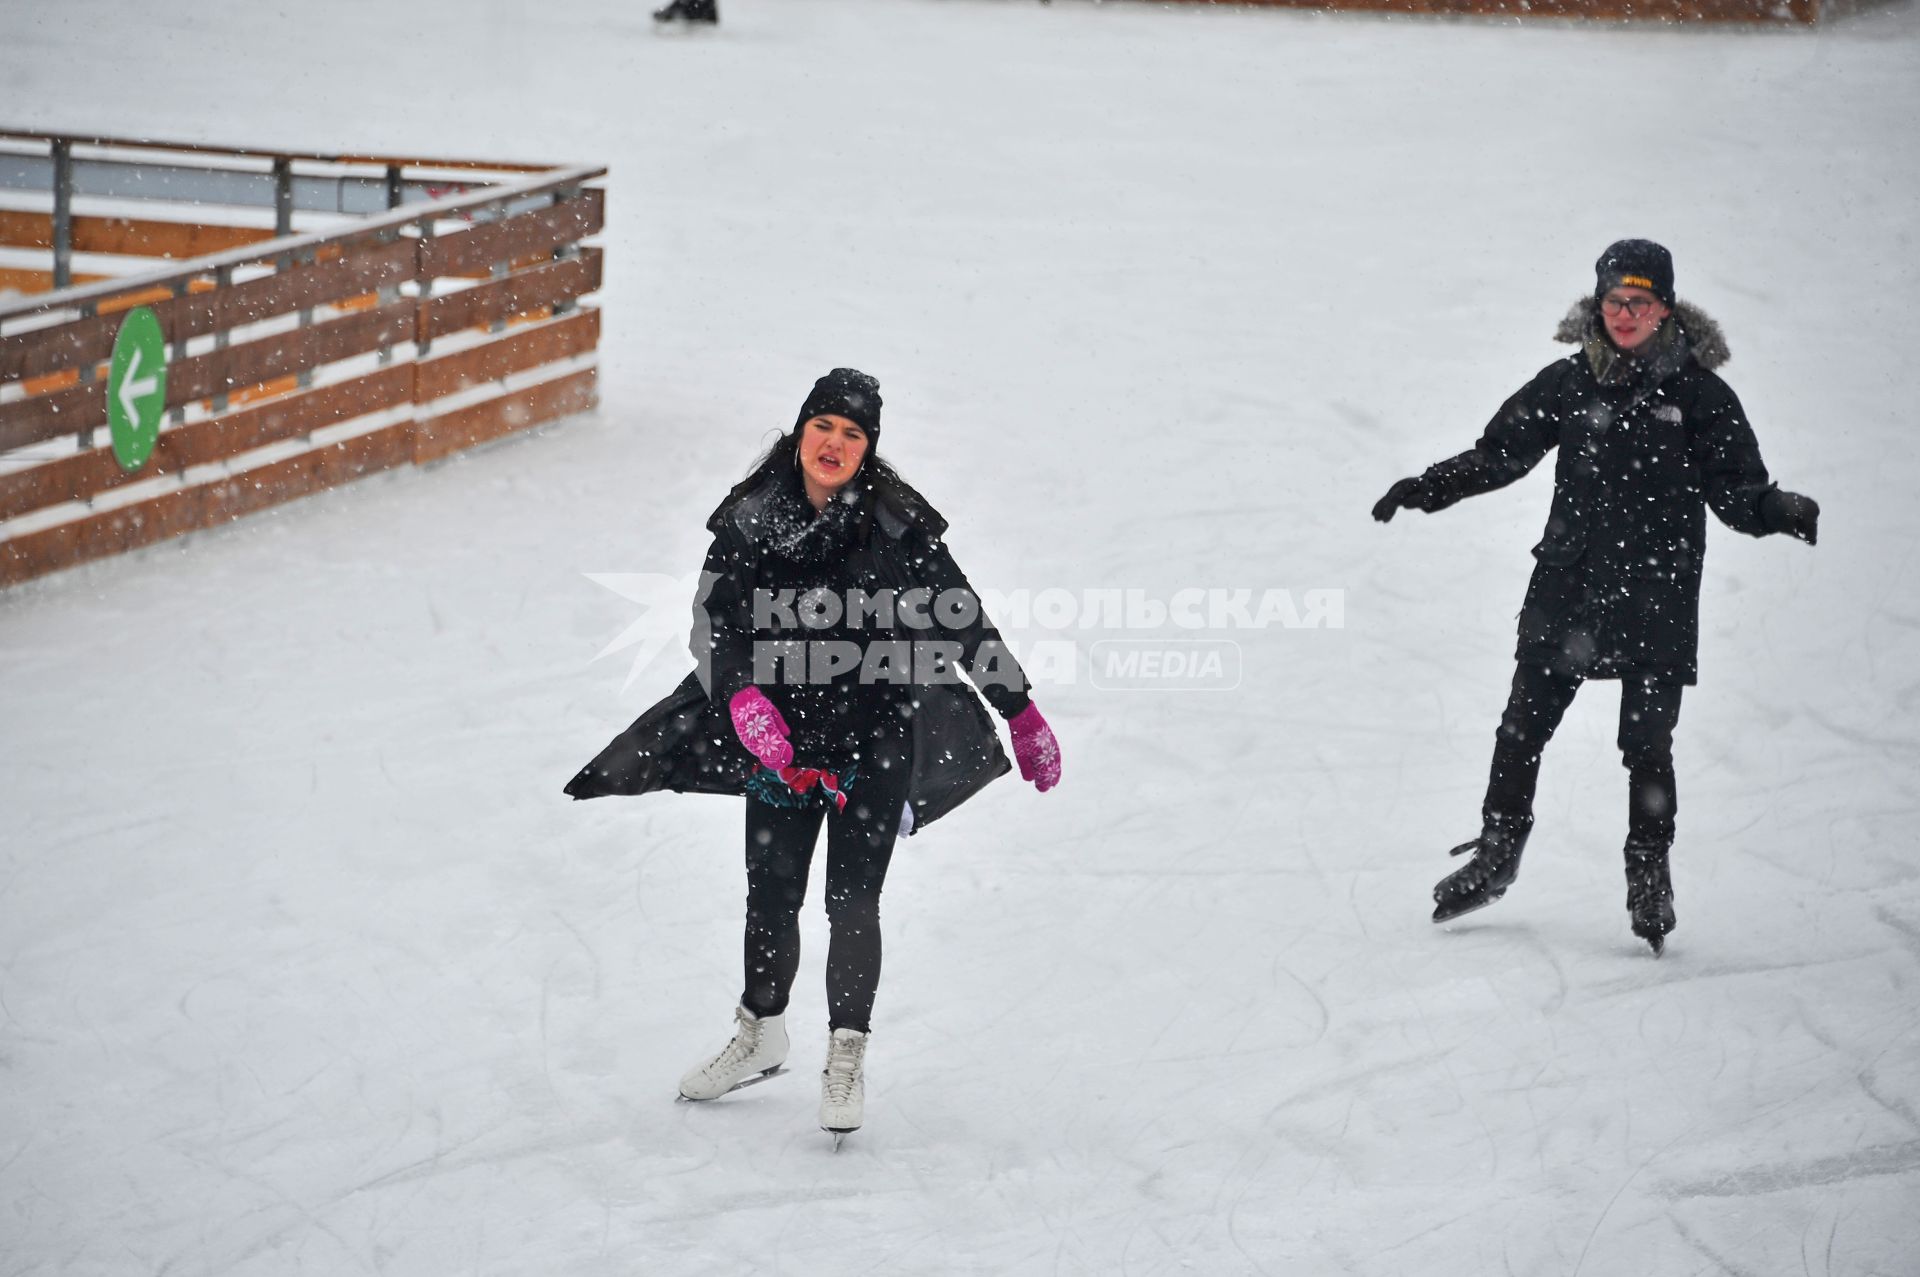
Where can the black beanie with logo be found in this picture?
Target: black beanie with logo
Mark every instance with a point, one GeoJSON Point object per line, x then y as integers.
{"type": "Point", "coordinates": [1635, 263]}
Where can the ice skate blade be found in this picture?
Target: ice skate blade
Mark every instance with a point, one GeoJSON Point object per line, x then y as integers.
{"type": "Point", "coordinates": [1656, 943]}
{"type": "Point", "coordinates": [839, 1134]}
{"type": "Point", "coordinates": [755, 1080]}
{"type": "Point", "coordinates": [1441, 914]}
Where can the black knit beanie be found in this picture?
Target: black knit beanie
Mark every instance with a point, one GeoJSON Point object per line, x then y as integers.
{"type": "Point", "coordinates": [849, 393]}
{"type": "Point", "coordinates": [1635, 263]}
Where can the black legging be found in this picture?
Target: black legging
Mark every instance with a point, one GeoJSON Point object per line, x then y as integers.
{"type": "Point", "coordinates": [1649, 710]}
{"type": "Point", "coordinates": [780, 843]}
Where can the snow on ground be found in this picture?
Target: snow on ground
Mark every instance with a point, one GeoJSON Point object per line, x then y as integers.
{"type": "Point", "coordinates": [309, 967]}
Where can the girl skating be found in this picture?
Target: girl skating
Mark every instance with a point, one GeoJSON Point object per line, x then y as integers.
{"type": "Point", "coordinates": [830, 633]}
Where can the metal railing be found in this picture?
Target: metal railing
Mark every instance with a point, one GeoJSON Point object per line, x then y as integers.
{"type": "Point", "coordinates": [252, 330]}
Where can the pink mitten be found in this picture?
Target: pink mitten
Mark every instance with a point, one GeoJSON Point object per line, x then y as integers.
{"type": "Point", "coordinates": [1035, 749]}
{"type": "Point", "coordinates": [757, 722]}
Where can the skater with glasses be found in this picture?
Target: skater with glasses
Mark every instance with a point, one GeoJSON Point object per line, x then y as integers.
{"type": "Point", "coordinates": [1649, 438]}
{"type": "Point", "coordinates": [829, 634]}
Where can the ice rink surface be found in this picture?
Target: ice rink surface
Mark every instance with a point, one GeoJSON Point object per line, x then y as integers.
{"type": "Point", "coordinates": [306, 965]}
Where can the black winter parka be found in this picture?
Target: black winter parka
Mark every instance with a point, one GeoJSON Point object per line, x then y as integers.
{"type": "Point", "coordinates": [1646, 445]}
{"type": "Point", "coordinates": [687, 743]}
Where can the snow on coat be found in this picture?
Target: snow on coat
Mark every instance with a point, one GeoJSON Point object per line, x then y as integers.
{"type": "Point", "coordinates": [686, 743]}
{"type": "Point", "coordinates": [1647, 443]}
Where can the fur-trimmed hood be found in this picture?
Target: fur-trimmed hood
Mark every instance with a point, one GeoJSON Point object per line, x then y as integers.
{"type": "Point", "coordinates": [1703, 336]}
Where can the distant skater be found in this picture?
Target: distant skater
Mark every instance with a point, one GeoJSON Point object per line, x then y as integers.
{"type": "Point", "coordinates": [830, 633]}
{"type": "Point", "coordinates": [1649, 437]}
{"type": "Point", "coordinates": [690, 12]}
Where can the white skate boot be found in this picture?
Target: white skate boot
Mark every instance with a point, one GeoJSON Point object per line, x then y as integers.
{"type": "Point", "coordinates": [758, 1049]}
{"type": "Point", "coordinates": [842, 1089]}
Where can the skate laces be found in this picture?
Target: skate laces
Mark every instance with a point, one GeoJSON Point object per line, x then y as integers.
{"type": "Point", "coordinates": [1648, 873]}
{"type": "Point", "coordinates": [746, 1040]}
{"type": "Point", "coordinates": [1647, 892]}
{"type": "Point", "coordinates": [843, 1069]}
{"type": "Point", "coordinates": [1478, 871]}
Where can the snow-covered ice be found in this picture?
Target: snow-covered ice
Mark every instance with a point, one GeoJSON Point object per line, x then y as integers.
{"type": "Point", "coordinates": [307, 966]}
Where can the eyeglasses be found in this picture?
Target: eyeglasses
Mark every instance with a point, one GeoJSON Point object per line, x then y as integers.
{"type": "Point", "coordinates": [1635, 306]}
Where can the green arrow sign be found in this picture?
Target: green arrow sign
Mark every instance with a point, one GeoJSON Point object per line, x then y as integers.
{"type": "Point", "coordinates": [137, 387]}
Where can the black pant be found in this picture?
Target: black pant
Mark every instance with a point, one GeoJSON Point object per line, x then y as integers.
{"type": "Point", "coordinates": [780, 843]}
{"type": "Point", "coordinates": [1649, 710]}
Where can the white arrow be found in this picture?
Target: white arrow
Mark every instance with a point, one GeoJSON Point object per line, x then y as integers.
{"type": "Point", "coordinates": [133, 386]}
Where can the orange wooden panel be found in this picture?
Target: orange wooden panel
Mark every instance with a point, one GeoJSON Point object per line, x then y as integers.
{"type": "Point", "coordinates": [238, 432]}
{"type": "Point", "coordinates": [374, 229]}
{"type": "Point", "coordinates": [171, 514]}
{"type": "Point", "coordinates": [312, 471]}
{"type": "Point", "coordinates": [188, 509]}
{"type": "Point", "coordinates": [528, 348]}
{"type": "Point", "coordinates": [152, 297]}
{"type": "Point", "coordinates": [252, 362]}
{"type": "Point", "coordinates": [237, 367]}
{"type": "Point", "coordinates": [207, 309]}
{"type": "Point", "coordinates": [40, 385]}
{"type": "Point", "coordinates": [26, 230]}
{"type": "Point", "coordinates": [529, 234]}
{"type": "Point", "coordinates": [48, 416]}
{"type": "Point", "coordinates": [436, 437]}
{"type": "Point", "coordinates": [517, 294]}
{"type": "Point", "coordinates": [98, 536]}
{"type": "Point", "coordinates": [519, 263]}
{"type": "Point", "coordinates": [51, 382]}
{"type": "Point", "coordinates": [265, 390]}
{"type": "Point", "coordinates": [88, 473]}
{"type": "Point", "coordinates": [133, 237]}
{"type": "Point", "coordinates": [18, 279]}
{"type": "Point", "coordinates": [368, 268]}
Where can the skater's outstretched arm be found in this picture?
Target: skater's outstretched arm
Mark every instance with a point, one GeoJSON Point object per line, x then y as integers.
{"type": "Point", "coordinates": [1520, 434]}
{"type": "Point", "coordinates": [1738, 489]}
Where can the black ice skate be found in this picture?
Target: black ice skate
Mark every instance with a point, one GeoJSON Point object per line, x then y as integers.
{"type": "Point", "coordinates": [689, 11]}
{"type": "Point", "coordinates": [1485, 878]}
{"type": "Point", "coordinates": [1650, 893]}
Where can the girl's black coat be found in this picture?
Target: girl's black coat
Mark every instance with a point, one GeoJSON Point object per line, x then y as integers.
{"type": "Point", "coordinates": [1616, 586]}
{"type": "Point", "coordinates": [686, 743]}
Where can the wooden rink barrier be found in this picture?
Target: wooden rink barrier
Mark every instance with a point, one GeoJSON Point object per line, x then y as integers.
{"type": "Point", "coordinates": [438, 307]}
{"type": "Point", "coordinates": [1804, 12]}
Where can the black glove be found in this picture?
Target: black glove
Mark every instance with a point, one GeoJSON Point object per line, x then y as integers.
{"type": "Point", "coordinates": [1411, 493]}
{"type": "Point", "coordinates": [1791, 513]}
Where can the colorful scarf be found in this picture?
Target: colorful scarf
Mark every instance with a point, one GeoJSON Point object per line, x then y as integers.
{"type": "Point", "coordinates": [800, 787]}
